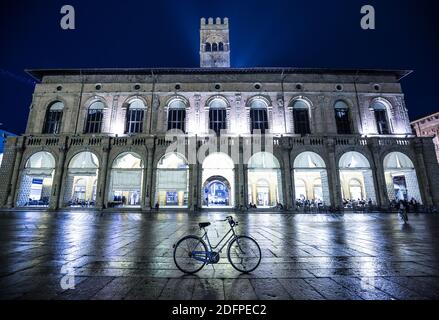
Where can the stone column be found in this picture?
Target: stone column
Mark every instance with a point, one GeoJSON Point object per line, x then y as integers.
{"type": "Point", "coordinates": [288, 191]}
{"type": "Point", "coordinates": [421, 173]}
{"type": "Point", "coordinates": [378, 174]}
{"type": "Point", "coordinates": [102, 197]}
{"type": "Point", "coordinates": [333, 175]}
{"type": "Point", "coordinates": [237, 186]}
{"type": "Point", "coordinates": [57, 180]}
{"type": "Point", "coordinates": [191, 179]}
{"type": "Point", "coordinates": [14, 181]}
{"type": "Point", "coordinates": [242, 181]}
{"type": "Point", "coordinates": [147, 187]}
{"type": "Point", "coordinates": [198, 176]}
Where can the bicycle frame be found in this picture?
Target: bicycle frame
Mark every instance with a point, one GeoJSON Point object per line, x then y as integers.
{"type": "Point", "coordinates": [196, 254]}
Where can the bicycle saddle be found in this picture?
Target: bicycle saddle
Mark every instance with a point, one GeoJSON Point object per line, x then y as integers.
{"type": "Point", "coordinates": [204, 224]}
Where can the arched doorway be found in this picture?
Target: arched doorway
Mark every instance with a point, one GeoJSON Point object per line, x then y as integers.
{"type": "Point", "coordinates": [218, 181]}
{"type": "Point", "coordinates": [37, 179]}
{"type": "Point", "coordinates": [401, 179]}
{"type": "Point", "coordinates": [126, 180]}
{"type": "Point", "coordinates": [356, 179]}
{"type": "Point", "coordinates": [264, 180]}
{"type": "Point", "coordinates": [172, 185]}
{"type": "Point", "coordinates": [217, 192]}
{"type": "Point", "coordinates": [311, 180]}
{"type": "Point", "coordinates": [82, 174]}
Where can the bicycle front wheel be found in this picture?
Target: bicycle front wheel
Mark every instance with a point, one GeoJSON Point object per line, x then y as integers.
{"type": "Point", "coordinates": [190, 254]}
{"type": "Point", "coordinates": [244, 254]}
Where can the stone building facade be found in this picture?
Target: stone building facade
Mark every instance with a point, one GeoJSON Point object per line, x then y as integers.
{"type": "Point", "coordinates": [217, 137]}
{"type": "Point", "coordinates": [428, 127]}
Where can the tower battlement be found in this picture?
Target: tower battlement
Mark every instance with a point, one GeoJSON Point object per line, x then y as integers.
{"type": "Point", "coordinates": [210, 22]}
{"type": "Point", "coordinates": [214, 43]}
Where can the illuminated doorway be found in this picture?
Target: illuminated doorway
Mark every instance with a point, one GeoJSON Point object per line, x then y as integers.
{"type": "Point", "coordinates": [401, 179]}
{"type": "Point", "coordinates": [310, 180]}
{"type": "Point", "coordinates": [82, 175]}
{"type": "Point", "coordinates": [218, 181]}
{"type": "Point", "coordinates": [36, 183]}
{"type": "Point", "coordinates": [356, 179]}
{"type": "Point", "coordinates": [264, 180]}
{"type": "Point", "coordinates": [126, 181]}
{"type": "Point", "coordinates": [172, 184]}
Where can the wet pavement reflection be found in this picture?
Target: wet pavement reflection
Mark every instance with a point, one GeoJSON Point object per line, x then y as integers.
{"type": "Point", "coordinates": [129, 256]}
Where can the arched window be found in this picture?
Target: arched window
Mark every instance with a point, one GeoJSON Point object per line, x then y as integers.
{"type": "Point", "coordinates": [82, 174]}
{"type": "Point", "coordinates": [258, 115]}
{"type": "Point", "coordinates": [172, 183]}
{"type": "Point", "coordinates": [52, 123]}
{"type": "Point", "coordinates": [220, 46]}
{"type": "Point", "coordinates": [214, 47]}
{"type": "Point", "coordinates": [217, 115]}
{"type": "Point", "coordinates": [208, 47]}
{"type": "Point", "coordinates": [401, 180]}
{"type": "Point", "coordinates": [379, 110]}
{"type": "Point", "coordinates": [342, 117]}
{"type": "Point", "coordinates": [126, 178]}
{"type": "Point", "coordinates": [356, 178]}
{"type": "Point", "coordinates": [264, 180]}
{"type": "Point", "coordinates": [95, 116]}
{"type": "Point", "coordinates": [37, 178]}
{"type": "Point", "coordinates": [301, 117]}
{"type": "Point", "coordinates": [310, 178]}
{"type": "Point", "coordinates": [218, 174]}
{"type": "Point", "coordinates": [135, 115]}
{"type": "Point", "coordinates": [176, 115]}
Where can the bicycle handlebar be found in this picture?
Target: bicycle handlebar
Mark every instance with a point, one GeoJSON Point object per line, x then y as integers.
{"type": "Point", "coordinates": [230, 220]}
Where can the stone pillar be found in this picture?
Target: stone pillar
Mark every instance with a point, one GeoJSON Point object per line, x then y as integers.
{"type": "Point", "coordinates": [190, 196]}
{"type": "Point", "coordinates": [333, 175]}
{"type": "Point", "coordinates": [198, 176]}
{"type": "Point", "coordinates": [57, 180]}
{"type": "Point", "coordinates": [14, 181]}
{"type": "Point", "coordinates": [245, 183]}
{"type": "Point", "coordinates": [378, 175]}
{"type": "Point", "coordinates": [242, 181]}
{"type": "Point", "coordinates": [237, 186]}
{"type": "Point", "coordinates": [287, 179]}
{"type": "Point", "coordinates": [421, 173]}
{"type": "Point", "coordinates": [147, 187]}
{"type": "Point", "coordinates": [104, 171]}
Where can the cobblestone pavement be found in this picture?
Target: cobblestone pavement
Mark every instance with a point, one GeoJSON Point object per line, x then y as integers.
{"type": "Point", "coordinates": [129, 256]}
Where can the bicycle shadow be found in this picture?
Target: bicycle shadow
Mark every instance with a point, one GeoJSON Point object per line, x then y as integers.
{"type": "Point", "coordinates": [210, 287]}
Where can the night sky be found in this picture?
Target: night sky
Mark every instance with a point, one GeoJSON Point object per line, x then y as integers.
{"type": "Point", "coordinates": [165, 33]}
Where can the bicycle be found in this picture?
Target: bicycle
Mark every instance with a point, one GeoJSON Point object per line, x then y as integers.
{"type": "Point", "coordinates": [191, 253]}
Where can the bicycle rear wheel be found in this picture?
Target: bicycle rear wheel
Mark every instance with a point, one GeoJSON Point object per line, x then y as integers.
{"type": "Point", "coordinates": [244, 254]}
{"type": "Point", "coordinates": [187, 250]}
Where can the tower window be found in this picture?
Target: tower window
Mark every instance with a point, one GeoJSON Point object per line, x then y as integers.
{"type": "Point", "coordinates": [95, 117]}
{"type": "Point", "coordinates": [342, 120]}
{"type": "Point", "coordinates": [380, 113]}
{"type": "Point", "coordinates": [208, 46]}
{"type": "Point", "coordinates": [135, 115]}
{"type": "Point", "coordinates": [258, 116]}
{"type": "Point", "coordinates": [214, 47]}
{"type": "Point", "coordinates": [301, 117]}
{"type": "Point", "coordinates": [221, 46]}
{"type": "Point", "coordinates": [176, 115]}
{"type": "Point", "coordinates": [217, 115]}
{"type": "Point", "coordinates": [52, 123]}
